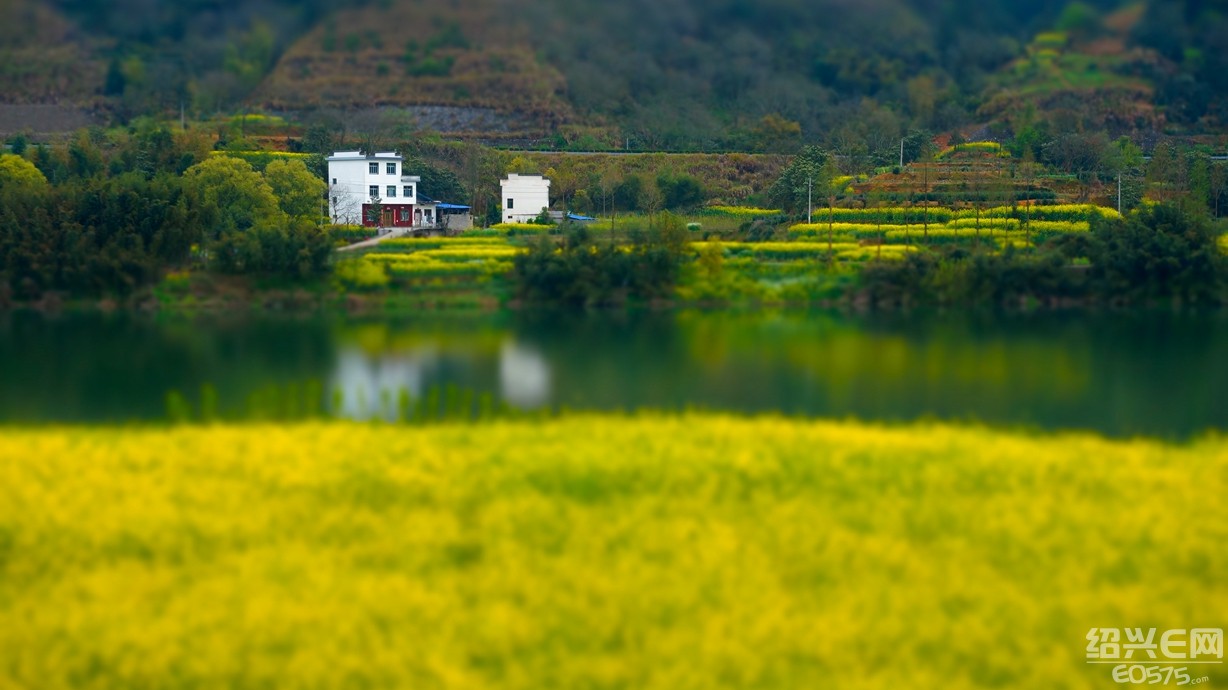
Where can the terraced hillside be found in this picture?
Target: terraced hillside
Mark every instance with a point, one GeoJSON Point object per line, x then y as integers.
{"type": "Point", "coordinates": [1089, 74]}
{"type": "Point", "coordinates": [44, 57]}
{"type": "Point", "coordinates": [50, 79]}
{"type": "Point", "coordinates": [656, 74]}
{"type": "Point", "coordinates": [458, 67]}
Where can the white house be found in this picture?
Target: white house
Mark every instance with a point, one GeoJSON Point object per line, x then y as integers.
{"type": "Point", "coordinates": [358, 181]}
{"type": "Point", "coordinates": [524, 197]}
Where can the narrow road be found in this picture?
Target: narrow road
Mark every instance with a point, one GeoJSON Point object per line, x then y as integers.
{"type": "Point", "coordinates": [397, 232]}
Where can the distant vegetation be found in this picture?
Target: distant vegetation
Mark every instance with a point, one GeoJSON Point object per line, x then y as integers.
{"type": "Point", "coordinates": [649, 74]}
{"type": "Point", "coordinates": [111, 213]}
{"type": "Point", "coordinates": [116, 214]}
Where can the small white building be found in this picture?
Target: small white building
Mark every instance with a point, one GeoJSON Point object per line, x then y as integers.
{"type": "Point", "coordinates": [524, 197]}
{"type": "Point", "coordinates": [358, 181]}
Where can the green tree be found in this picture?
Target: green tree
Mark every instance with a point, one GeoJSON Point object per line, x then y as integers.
{"type": "Point", "coordinates": [18, 173]}
{"type": "Point", "coordinates": [300, 194]}
{"type": "Point", "coordinates": [375, 212]}
{"type": "Point", "coordinates": [115, 80]}
{"type": "Point", "coordinates": [1158, 252]}
{"type": "Point", "coordinates": [231, 195]}
{"type": "Point", "coordinates": [801, 182]}
{"type": "Point", "coordinates": [775, 134]}
{"type": "Point", "coordinates": [680, 191]}
{"type": "Point", "coordinates": [626, 195]}
{"type": "Point", "coordinates": [1219, 187]}
{"type": "Point", "coordinates": [84, 158]}
{"type": "Point", "coordinates": [19, 143]}
{"type": "Point", "coordinates": [918, 144]}
{"type": "Point", "coordinates": [1079, 18]}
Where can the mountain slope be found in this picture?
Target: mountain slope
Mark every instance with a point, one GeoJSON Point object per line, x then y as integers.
{"type": "Point", "coordinates": [664, 72]}
{"type": "Point", "coordinates": [1084, 77]}
{"type": "Point", "coordinates": [44, 57]}
{"type": "Point", "coordinates": [656, 74]}
{"type": "Point", "coordinates": [411, 53]}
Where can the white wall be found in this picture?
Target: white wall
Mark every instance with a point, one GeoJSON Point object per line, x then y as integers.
{"type": "Point", "coordinates": [529, 194]}
{"type": "Point", "coordinates": [353, 180]}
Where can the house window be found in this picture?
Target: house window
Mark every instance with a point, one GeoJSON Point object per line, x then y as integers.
{"type": "Point", "coordinates": [404, 215]}
{"type": "Point", "coordinates": [511, 204]}
{"type": "Point", "coordinates": [334, 181]}
{"type": "Point", "coordinates": [392, 191]}
{"type": "Point", "coordinates": [335, 200]}
{"type": "Point", "coordinates": [374, 190]}
{"type": "Point", "coordinates": [392, 168]}
{"type": "Point", "coordinates": [373, 168]}
{"type": "Point", "coordinates": [409, 191]}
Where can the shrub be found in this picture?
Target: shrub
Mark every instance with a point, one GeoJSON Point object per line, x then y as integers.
{"type": "Point", "coordinates": [582, 273]}
{"type": "Point", "coordinates": [361, 274]}
{"type": "Point", "coordinates": [1159, 251]}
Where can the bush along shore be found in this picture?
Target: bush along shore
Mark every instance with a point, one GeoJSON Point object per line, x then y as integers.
{"type": "Point", "coordinates": [1157, 255]}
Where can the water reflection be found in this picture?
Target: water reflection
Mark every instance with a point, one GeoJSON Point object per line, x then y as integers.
{"type": "Point", "coordinates": [524, 375]}
{"type": "Point", "coordinates": [368, 385]}
{"type": "Point", "coordinates": [1122, 374]}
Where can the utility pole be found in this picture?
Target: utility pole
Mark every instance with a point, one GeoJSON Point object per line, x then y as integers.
{"type": "Point", "coordinates": [831, 217]}
{"type": "Point", "coordinates": [809, 203]}
{"type": "Point", "coordinates": [1119, 192]}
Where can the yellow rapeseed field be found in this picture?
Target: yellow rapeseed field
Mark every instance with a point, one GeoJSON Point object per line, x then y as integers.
{"type": "Point", "coordinates": [596, 551]}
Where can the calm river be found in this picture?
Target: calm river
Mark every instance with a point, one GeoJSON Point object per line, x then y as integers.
{"type": "Point", "coordinates": [1156, 374]}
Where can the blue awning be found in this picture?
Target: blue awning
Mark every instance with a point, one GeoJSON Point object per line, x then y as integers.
{"type": "Point", "coordinates": [575, 217]}
{"type": "Point", "coordinates": [452, 207]}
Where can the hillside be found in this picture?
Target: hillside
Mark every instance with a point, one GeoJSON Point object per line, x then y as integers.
{"type": "Point", "coordinates": [640, 74]}
{"type": "Point", "coordinates": [455, 57]}
{"type": "Point", "coordinates": [44, 57]}
{"type": "Point", "coordinates": [672, 74]}
{"type": "Point", "coordinates": [1087, 74]}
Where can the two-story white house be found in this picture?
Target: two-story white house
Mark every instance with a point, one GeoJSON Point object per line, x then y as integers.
{"type": "Point", "coordinates": [524, 197]}
{"type": "Point", "coordinates": [357, 182]}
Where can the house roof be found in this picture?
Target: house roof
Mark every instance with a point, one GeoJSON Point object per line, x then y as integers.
{"type": "Point", "coordinates": [389, 156]}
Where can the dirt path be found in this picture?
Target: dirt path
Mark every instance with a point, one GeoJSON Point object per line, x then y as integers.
{"type": "Point", "coordinates": [374, 241]}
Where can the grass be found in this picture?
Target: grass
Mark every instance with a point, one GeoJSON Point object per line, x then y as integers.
{"type": "Point", "coordinates": [699, 551]}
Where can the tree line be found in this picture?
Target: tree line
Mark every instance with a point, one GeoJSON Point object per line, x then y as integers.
{"type": "Point", "coordinates": [111, 212]}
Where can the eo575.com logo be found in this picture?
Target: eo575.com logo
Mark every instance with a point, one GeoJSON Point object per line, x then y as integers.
{"type": "Point", "coordinates": [1140, 657]}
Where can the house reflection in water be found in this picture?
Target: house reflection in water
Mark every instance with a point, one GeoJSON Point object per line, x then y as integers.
{"type": "Point", "coordinates": [524, 376]}
{"type": "Point", "coordinates": [370, 386]}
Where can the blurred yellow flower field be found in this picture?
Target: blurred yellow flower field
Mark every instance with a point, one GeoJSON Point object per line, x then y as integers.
{"type": "Point", "coordinates": [696, 551]}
